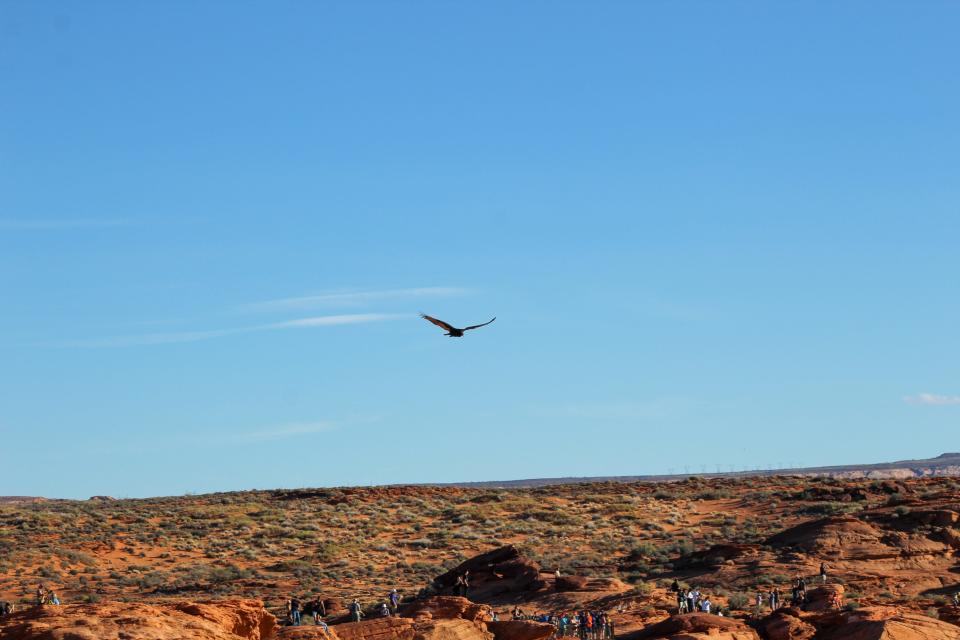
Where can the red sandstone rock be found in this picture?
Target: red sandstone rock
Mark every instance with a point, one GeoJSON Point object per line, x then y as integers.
{"type": "Point", "coordinates": [695, 626]}
{"type": "Point", "coordinates": [823, 598]}
{"type": "Point", "coordinates": [494, 573]}
{"type": "Point", "coordinates": [583, 583]}
{"type": "Point", "coordinates": [224, 620]}
{"type": "Point", "coordinates": [885, 623]}
{"type": "Point", "coordinates": [838, 538]}
{"type": "Point", "coordinates": [786, 624]}
{"type": "Point", "coordinates": [521, 630]}
{"type": "Point", "coordinates": [455, 629]}
{"type": "Point", "coordinates": [447, 607]}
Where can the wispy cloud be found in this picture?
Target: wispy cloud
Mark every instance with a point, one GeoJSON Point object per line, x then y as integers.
{"type": "Point", "coordinates": [195, 336]}
{"type": "Point", "coordinates": [932, 399]}
{"type": "Point", "coordinates": [328, 321]}
{"type": "Point", "coordinates": [349, 298]}
{"type": "Point", "coordinates": [60, 224]}
{"type": "Point", "coordinates": [284, 431]}
{"type": "Point", "coordinates": [653, 410]}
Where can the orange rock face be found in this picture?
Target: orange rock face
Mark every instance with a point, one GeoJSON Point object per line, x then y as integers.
{"type": "Point", "coordinates": [521, 630]}
{"type": "Point", "coordinates": [376, 629]}
{"type": "Point", "coordinates": [447, 607]}
{"type": "Point", "coordinates": [886, 623]}
{"type": "Point", "coordinates": [439, 618]}
{"type": "Point", "coordinates": [227, 620]}
{"type": "Point", "coordinates": [696, 626]}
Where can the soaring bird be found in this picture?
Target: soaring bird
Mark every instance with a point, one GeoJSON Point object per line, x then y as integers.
{"type": "Point", "coordinates": [453, 332]}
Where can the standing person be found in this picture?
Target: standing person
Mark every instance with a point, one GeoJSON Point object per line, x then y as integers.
{"type": "Point", "coordinates": [394, 600]}
{"type": "Point", "coordinates": [356, 611]}
{"type": "Point", "coordinates": [705, 604]}
{"type": "Point", "coordinates": [611, 632]}
{"type": "Point", "coordinates": [681, 601]}
{"type": "Point", "coordinates": [41, 595]}
{"type": "Point", "coordinates": [295, 611]}
{"type": "Point", "coordinates": [319, 610]}
{"type": "Point", "coordinates": [691, 601]}
{"type": "Point", "coordinates": [760, 599]}
{"type": "Point", "coordinates": [956, 599]}
{"type": "Point", "coordinates": [823, 572]}
{"type": "Point", "coordinates": [384, 610]}
{"type": "Point", "coordinates": [466, 583]}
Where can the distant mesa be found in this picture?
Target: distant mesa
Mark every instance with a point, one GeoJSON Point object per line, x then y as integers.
{"type": "Point", "coordinates": [102, 499]}
{"type": "Point", "coordinates": [944, 465]}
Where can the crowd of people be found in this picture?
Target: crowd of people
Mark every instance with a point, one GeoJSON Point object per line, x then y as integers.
{"type": "Point", "coordinates": [586, 625]}
{"type": "Point", "coordinates": [316, 609]}
{"type": "Point", "coordinates": [692, 600]}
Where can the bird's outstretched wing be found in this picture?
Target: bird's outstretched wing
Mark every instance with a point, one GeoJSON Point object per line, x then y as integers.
{"type": "Point", "coordinates": [477, 326]}
{"type": "Point", "coordinates": [439, 323]}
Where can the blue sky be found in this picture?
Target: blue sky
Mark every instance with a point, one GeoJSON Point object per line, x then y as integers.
{"type": "Point", "coordinates": [712, 233]}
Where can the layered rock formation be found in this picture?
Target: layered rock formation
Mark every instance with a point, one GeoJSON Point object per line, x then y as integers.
{"type": "Point", "coordinates": [495, 573]}
{"type": "Point", "coordinates": [869, 623]}
{"type": "Point", "coordinates": [227, 620]}
{"type": "Point", "coordinates": [695, 626]}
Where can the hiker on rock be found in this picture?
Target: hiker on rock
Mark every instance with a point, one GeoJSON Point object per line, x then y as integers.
{"type": "Point", "coordinates": [295, 612]}
{"type": "Point", "coordinates": [675, 587]}
{"type": "Point", "coordinates": [681, 601]}
{"type": "Point", "coordinates": [384, 610]}
{"type": "Point", "coordinates": [41, 595]}
{"type": "Point", "coordinates": [956, 599]}
{"type": "Point", "coordinates": [705, 604]}
{"type": "Point", "coordinates": [394, 600]}
{"type": "Point", "coordinates": [318, 609]}
{"type": "Point", "coordinates": [823, 572]}
{"type": "Point", "coordinates": [356, 611]}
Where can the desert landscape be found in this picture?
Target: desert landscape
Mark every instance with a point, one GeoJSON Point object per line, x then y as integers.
{"type": "Point", "coordinates": [436, 320]}
{"type": "Point", "coordinates": [890, 547]}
